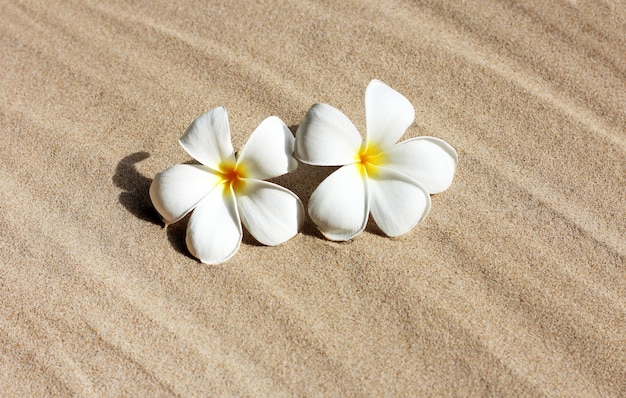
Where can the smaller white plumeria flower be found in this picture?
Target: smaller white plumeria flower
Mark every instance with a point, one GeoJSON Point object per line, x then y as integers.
{"type": "Point", "coordinates": [392, 181]}
{"type": "Point", "coordinates": [227, 190]}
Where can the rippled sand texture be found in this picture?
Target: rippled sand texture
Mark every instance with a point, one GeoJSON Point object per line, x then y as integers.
{"type": "Point", "coordinates": [514, 285]}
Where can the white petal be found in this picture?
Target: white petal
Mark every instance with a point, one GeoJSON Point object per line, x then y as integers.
{"type": "Point", "coordinates": [269, 151]}
{"type": "Point", "coordinates": [430, 161]}
{"type": "Point", "coordinates": [339, 206]}
{"type": "Point", "coordinates": [207, 139]}
{"type": "Point", "coordinates": [398, 202]}
{"type": "Point", "coordinates": [326, 137]}
{"type": "Point", "coordinates": [388, 114]}
{"type": "Point", "coordinates": [177, 190]}
{"type": "Point", "coordinates": [214, 232]}
{"type": "Point", "coordinates": [271, 213]}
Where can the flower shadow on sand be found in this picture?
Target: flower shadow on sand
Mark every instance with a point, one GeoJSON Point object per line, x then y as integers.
{"type": "Point", "coordinates": [136, 199]}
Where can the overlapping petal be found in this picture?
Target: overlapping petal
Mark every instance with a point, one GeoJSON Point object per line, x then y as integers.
{"type": "Point", "coordinates": [326, 137]}
{"type": "Point", "coordinates": [214, 232]}
{"type": "Point", "coordinates": [388, 114]}
{"type": "Point", "coordinates": [268, 152]}
{"type": "Point", "coordinates": [177, 190]}
{"type": "Point", "coordinates": [271, 213]}
{"type": "Point", "coordinates": [339, 206]}
{"type": "Point", "coordinates": [428, 160]}
{"type": "Point", "coordinates": [397, 202]}
{"type": "Point", "coordinates": [207, 139]}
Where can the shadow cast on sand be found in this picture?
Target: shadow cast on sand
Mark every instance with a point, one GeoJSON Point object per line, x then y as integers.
{"type": "Point", "coordinates": [303, 182]}
{"type": "Point", "coordinates": [176, 235]}
{"type": "Point", "coordinates": [136, 199]}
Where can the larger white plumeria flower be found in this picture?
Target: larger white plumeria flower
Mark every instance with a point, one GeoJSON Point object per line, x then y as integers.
{"type": "Point", "coordinates": [392, 181]}
{"type": "Point", "coordinates": [227, 190]}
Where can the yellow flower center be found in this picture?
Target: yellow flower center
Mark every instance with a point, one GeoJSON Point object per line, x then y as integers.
{"type": "Point", "coordinates": [368, 160]}
{"type": "Point", "coordinates": [233, 175]}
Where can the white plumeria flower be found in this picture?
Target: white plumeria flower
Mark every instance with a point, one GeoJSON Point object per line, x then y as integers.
{"type": "Point", "coordinates": [227, 190]}
{"type": "Point", "coordinates": [392, 181]}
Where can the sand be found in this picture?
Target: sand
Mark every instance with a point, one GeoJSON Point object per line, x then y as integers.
{"type": "Point", "coordinates": [514, 285]}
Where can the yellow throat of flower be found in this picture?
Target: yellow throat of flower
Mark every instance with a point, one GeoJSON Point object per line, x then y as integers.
{"type": "Point", "coordinates": [233, 175]}
{"type": "Point", "coordinates": [368, 159]}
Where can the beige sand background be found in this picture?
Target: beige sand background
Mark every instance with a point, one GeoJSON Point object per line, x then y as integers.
{"type": "Point", "coordinates": [514, 285]}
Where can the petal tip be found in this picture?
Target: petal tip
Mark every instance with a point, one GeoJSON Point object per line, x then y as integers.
{"type": "Point", "coordinates": [388, 114]}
